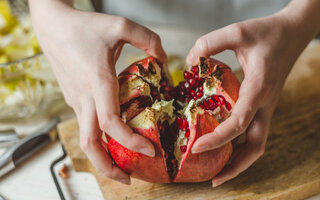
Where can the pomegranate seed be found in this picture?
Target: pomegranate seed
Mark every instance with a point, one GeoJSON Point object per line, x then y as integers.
{"type": "Point", "coordinates": [181, 85]}
{"type": "Point", "coordinates": [197, 77]}
{"type": "Point", "coordinates": [192, 81]}
{"type": "Point", "coordinates": [187, 134]}
{"type": "Point", "coordinates": [188, 99]}
{"type": "Point", "coordinates": [160, 127]}
{"type": "Point", "coordinates": [211, 101]}
{"type": "Point", "coordinates": [222, 100]}
{"type": "Point", "coordinates": [154, 92]}
{"type": "Point", "coordinates": [187, 75]}
{"type": "Point", "coordinates": [168, 88]}
{"type": "Point", "coordinates": [167, 96]}
{"type": "Point", "coordinates": [201, 88]}
{"type": "Point", "coordinates": [192, 92]}
{"type": "Point", "coordinates": [179, 122]}
{"type": "Point", "coordinates": [199, 94]}
{"type": "Point", "coordinates": [181, 93]}
{"type": "Point", "coordinates": [228, 106]}
{"type": "Point", "coordinates": [184, 124]}
{"type": "Point", "coordinates": [163, 83]}
{"type": "Point", "coordinates": [183, 148]}
{"type": "Point", "coordinates": [205, 105]}
{"type": "Point", "coordinates": [195, 69]}
{"type": "Point", "coordinates": [202, 80]}
{"type": "Point", "coordinates": [186, 85]}
{"type": "Point", "coordinates": [202, 106]}
{"type": "Point", "coordinates": [216, 99]}
{"type": "Point", "coordinates": [212, 107]}
{"type": "Point", "coordinates": [195, 97]}
{"type": "Point", "coordinates": [182, 99]}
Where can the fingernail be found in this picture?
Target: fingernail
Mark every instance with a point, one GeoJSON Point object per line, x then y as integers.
{"type": "Point", "coordinates": [147, 151]}
{"type": "Point", "coordinates": [215, 184]}
{"type": "Point", "coordinates": [198, 149]}
{"type": "Point", "coordinates": [125, 181]}
{"type": "Point", "coordinates": [194, 150]}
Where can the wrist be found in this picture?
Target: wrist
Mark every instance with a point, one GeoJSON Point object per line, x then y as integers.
{"type": "Point", "coordinates": [59, 10]}
{"type": "Point", "coordinates": [302, 17]}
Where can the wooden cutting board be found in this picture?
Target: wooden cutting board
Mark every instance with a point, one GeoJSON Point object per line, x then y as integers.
{"type": "Point", "coordinates": [289, 169]}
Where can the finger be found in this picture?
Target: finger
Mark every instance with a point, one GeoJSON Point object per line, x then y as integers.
{"type": "Point", "coordinates": [108, 110]}
{"type": "Point", "coordinates": [90, 135]}
{"type": "Point", "coordinates": [249, 152]}
{"type": "Point", "coordinates": [142, 38]}
{"type": "Point", "coordinates": [244, 110]}
{"type": "Point", "coordinates": [215, 42]}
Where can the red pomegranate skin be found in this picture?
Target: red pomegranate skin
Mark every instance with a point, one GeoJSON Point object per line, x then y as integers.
{"type": "Point", "coordinates": [151, 169]}
{"type": "Point", "coordinates": [202, 166]}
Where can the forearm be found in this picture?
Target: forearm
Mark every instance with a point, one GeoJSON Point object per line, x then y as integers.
{"type": "Point", "coordinates": [303, 16]}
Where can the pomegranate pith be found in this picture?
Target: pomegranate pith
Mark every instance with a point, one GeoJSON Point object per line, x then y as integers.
{"type": "Point", "coordinates": [172, 118]}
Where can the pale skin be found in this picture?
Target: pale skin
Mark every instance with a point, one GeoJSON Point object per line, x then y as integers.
{"type": "Point", "coordinates": [83, 56]}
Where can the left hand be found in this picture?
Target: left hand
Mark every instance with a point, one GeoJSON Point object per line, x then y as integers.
{"type": "Point", "coordinates": [266, 48]}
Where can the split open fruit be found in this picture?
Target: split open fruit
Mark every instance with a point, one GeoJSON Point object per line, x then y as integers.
{"type": "Point", "coordinates": [172, 118]}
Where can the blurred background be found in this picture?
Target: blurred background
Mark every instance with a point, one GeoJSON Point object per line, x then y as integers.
{"type": "Point", "coordinates": [181, 22]}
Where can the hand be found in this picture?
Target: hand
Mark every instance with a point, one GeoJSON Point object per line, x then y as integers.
{"type": "Point", "coordinates": [83, 48]}
{"type": "Point", "coordinates": [266, 48]}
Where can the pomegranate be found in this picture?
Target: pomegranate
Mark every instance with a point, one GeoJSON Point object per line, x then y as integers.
{"type": "Point", "coordinates": [172, 118]}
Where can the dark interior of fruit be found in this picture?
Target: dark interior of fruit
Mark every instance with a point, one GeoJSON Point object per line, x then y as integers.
{"type": "Point", "coordinates": [168, 135]}
{"type": "Point", "coordinates": [133, 107]}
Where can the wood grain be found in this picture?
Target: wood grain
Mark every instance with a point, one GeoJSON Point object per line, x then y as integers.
{"type": "Point", "coordinates": [289, 169]}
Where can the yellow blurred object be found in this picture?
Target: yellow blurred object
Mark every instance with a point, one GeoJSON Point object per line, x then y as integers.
{"type": "Point", "coordinates": [177, 76]}
{"type": "Point", "coordinates": [3, 59]}
{"type": "Point", "coordinates": [17, 38]}
{"type": "Point", "coordinates": [176, 66]}
{"type": "Point", "coordinates": [7, 20]}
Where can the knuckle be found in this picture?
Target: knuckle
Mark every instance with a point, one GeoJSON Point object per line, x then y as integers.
{"type": "Point", "coordinates": [155, 37]}
{"type": "Point", "coordinates": [122, 24]}
{"type": "Point", "coordinates": [68, 101]}
{"type": "Point", "coordinates": [108, 174]}
{"type": "Point", "coordinates": [86, 143]}
{"type": "Point", "coordinates": [219, 137]}
{"type": "Point", "coordinates": [153, 40]}
{"type": "Point", "coordinates": [242, 124]}
{"type": "Point", "coordinates": [238, 31]}
{"type": "Point", "coordinates": [202, 44]}
{"type": "Point", "coordinates": [103, 80]}
{"type": "Point", "coordinates": [106, 121]}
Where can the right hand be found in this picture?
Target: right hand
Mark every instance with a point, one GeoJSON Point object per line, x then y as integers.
{"type": "Point", "coordinates": [83, 48]}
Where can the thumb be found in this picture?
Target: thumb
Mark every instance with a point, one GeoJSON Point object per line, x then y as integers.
{"type": "Point", "coordinates": [215, 42]}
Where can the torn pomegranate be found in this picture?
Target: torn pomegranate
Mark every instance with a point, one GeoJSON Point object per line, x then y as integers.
{"type": "Point", "coordinates": [173, 118]}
